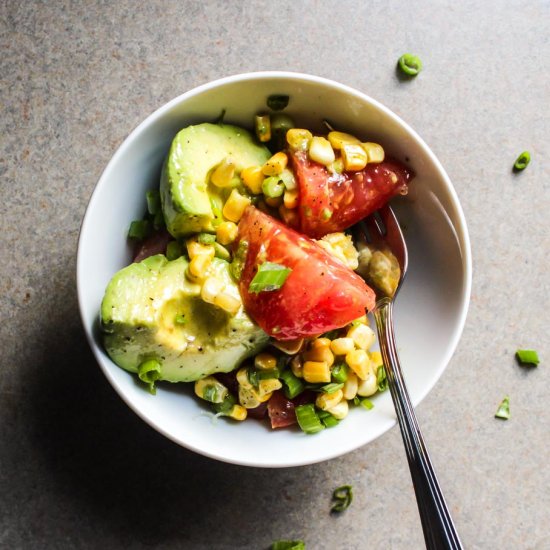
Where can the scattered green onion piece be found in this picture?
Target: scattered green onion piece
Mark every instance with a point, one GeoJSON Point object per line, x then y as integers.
{"type": "Point", "coordinates": [153, 202]}
{"type": "Point", "coordinates": [221, 252]}
{"type": "Point", "coordinates": [273, 187]}
{"type": "Point", "coordinates": [239, 259]}
{"type": "Point", "coordinates": [288, 545]}
{"type": "Point", "coordinates": [263, 127]}
{"type": "Point", "coordinates": [367, 404]}
{"type": "Point", "coordinates": [173, 250]}
{"type": "Point", "coordinates": [339, 372]}
{"type": "Point", "coordinates": [527, 357]}
{"type": "Point", "coordinates": [343, 496]}
{"type": "Point", "coordinates": [522, 161]}
{"type": "Point", "coordinates": [293, 385]}
{"type": "Point", "coordinates": [226, 406]}
{"type": "Point", "coordinates": [356, 400]}
{"type": "Point", "coordinates": [410, 64]}
{"type": "Point", "coordinates": [206, 238]}
{"type": "Point", "coordinates": [331, 334]}
{"type": "Point", "coordinates": [268, 374]}
{"type": "Point", "coordinates": [139, 229]}
{"type": "Point", "coordinates": [180, 319]}
{"type": "Point", "coordinates": [158, 220]}
{"type": "Point", "coordinates": [252, 375]}
{"type": "Point", "coordinates": [149, 372]}
{"type": "Point", "coordinates": [326, 214]}
{"type": "Point", "coordinates": [329, 421]}
{"type": "Point", "coordinates": [332, 387]}
{"type": "Point", "coordinates": [277, 102]}
{"type": "Point", "coordinates": [307, 419]}
{"type": "Point", "coordinates": [503, 410]}
{"type": "Point", "coordinates": [210, 393]}
{"type": "Point", "coordinates": [270, 277]}
{"type": "Point", "coordinates": [381, 379]}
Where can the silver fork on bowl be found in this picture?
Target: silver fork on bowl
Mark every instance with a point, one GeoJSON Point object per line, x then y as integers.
{"type": "Point", "coordinates": [382, 230]}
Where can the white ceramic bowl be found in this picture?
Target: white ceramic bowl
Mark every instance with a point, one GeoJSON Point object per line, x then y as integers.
{"type": "Point", "coordinates": [430, 310]}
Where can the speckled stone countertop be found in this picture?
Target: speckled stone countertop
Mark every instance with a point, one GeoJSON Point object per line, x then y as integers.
{"type": "Point", "coordinates": [78, 469]}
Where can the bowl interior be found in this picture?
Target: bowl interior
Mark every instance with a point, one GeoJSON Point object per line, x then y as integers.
{"type": "Point", "coordinates": [429, 312]}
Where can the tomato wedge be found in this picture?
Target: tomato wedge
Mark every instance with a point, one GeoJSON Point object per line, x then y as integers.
{"type": "Point", "coordinates": [333, 202]}
{"type": "Point", "coordinates": [320, 293]}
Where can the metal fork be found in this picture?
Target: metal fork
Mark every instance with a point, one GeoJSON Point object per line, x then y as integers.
{"type": "Point", "coordinates": [382, 230]}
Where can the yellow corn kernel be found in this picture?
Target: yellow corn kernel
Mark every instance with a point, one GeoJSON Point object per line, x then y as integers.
{"type": "Point", "coordinates": [364, 320]}
{"type": "Point", "coordinates": [242, 378]}
{"type": "Point", "coordinates": [194, 249]}
{"type": "Point", "coordinates": [376, 358]}
{"type": "Point", "coordinates": [210, 389]}
{"type": "Point", "coordinates": [297, 367]}
{"type": "Point", "coordinates": [359, 362]}
{"type": "Point", "coordinates": [326, 401]}
{"type": "Point", "coordinates": [298, 139]}
{"type": "Point", "coordinates": [362, 335]}
{"type": "Point", "coordinates": [268, 386]}
{"type": "Point", "coordinates": [320, 343]}
{"type": "Point", "coordinates": [238, 412]}
{"type": "Point", "coordinates": [369, 385]}
{"type": "Point", "coordinates": [199, 265]}
{"type": "Point", "coordinates": [211, 287]}
{"type": "Point", "coordinates": [321, 151]}
{"type": "Point", "coordinates": [350, 386]}
{"type": "Point", "coordinates": [223, 174]}
{"type": "Point", "coordinates": [265, 361]}
{"type": "Point", "coordinates": [342, 346]}
{"type": "Point", "coordinates": [319, 354]}
{"type": "Point", "coordinates": [290, 199]}
{"type": "Point", "coordinates": [227, 302]}
{"type": "Point", "coordinates": [274, 202]}
{"type": "Point", "coordinates": [341, 246]}
{"type": "Point", "coordinates": [341, 410]}
{"type": "Point", "coordinates": [235, 206]}
{"type": "Point", "coordinates": [275, 165]}
{"type": "Point", "coordinates": [248, 398]}
{"type": "Point", "coordinates": [290, 347]}
{"type": "Point", "coordinates": [316, 372]}
{"type": "Point", "coordinates": [263, 127]}
{"type": "Point", "coordinates": [375, 152]}
{"type": "Point", "coordinates": [354, 156]}
{"type": "Point", "coordinates": [253, 178]}
{"type": "Point", "coordinates": [226, 232]}
{"type": "Point", "coordinates": [339, 139]}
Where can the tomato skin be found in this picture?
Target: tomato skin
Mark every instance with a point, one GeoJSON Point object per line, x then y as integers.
{"type": "Point", "coordinates": [154, 244]}
{"type": "Point", "coordinates": [333, 202]}
{"type": "Point", "coordinates": [281, 410]}
{"type": "Point", "coordinates": [320, 293]}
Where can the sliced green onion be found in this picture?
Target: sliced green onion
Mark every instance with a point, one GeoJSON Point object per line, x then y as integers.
{"type": "Point", "coordinates": [158, 220]}
{"type": "Point", "coordinates": [331, 388]}
{"type": "Point", "coordinates": [410, 64]}
{"type": "Point", "coordinates": [326, 214]}
{"type": "Point", "coordinates": [180, 319]}
{"type": "Point", "coordinates": [270, 277]}
{"type": "Point", "coordinates": [367, 404]}
{"type": "Point", "coordinates": [381, 379]}
{"type": "Point", "coordinates": [263, 127]}
{"type": "Point", "coordinates": [503, 410]}
{"type": "Point", "coordinates": [173, 250]}
{"type": "Point", "coordinates": [226, 406]}
{"type": "Point", "coordinates": [331, 334]}
{"type": "Point", "coordinates": [273, 187]}
{"type": "Point", "coordinates": [342, 496]}
{"type": "Point", "coordinates": [252, 375]}
{"type": "Point", "coordinates": [206, 238]}
{"type": "Point", "coordinates": [329, 421]}
{"type": "Point", "coordinates": [210, 393]}
{"type": "Point", "coordinates": [522, 161]}
{"type": "Point", "coordinates": [221, 252]}
{"type": "Point", "coordinates": [527, 357]}
{"type": "Point", "coordinates": [307, 419]}
{"type": "Point", "coordinates": [356, 401]}
{"type": "Point", "coordinates": [153, 202]}
{"type": "Point", "coordinates": [139, 229]}
{"type": "Point", "coordinates": [277, 102]}
{"type": "Point", "coordinates": [239, 259]}
{"type": "Point", "coordinates": [149, 372]}
{"type": "Point", "coordinates": [293, 385]}
{"type": "Point", "coordinates": [288, 545]}
{"type": "Point", "coordinates": [268, 374]}
{"type": "Point", "coordinates": [339, 372]}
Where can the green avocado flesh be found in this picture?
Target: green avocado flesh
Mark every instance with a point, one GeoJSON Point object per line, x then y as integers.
{"type": "Point", "coordinates": [152, 311]}
{"type": "Point", "coordinates": [191, 203]}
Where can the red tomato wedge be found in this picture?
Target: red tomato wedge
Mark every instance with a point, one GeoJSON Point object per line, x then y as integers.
{"type": "Point", "coordinates": [333, 202]}
{"type": "Point", "coordinates": [320, 293]}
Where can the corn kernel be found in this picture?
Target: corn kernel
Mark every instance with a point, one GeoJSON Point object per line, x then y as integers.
{"type": "Point", "coordinates": [341, 410]}
{"type": "Point", "coordinates": [341, 246]}
{"type": "Point", "coordinates": [376, 358]}
{"type": "Point", "coordinates": [297, 367]}
{"type": "Point", "coordinates": [253, 178]}
{"type": "Point", "coordinates": [242, 378]}
{"type": "Point", "coordinates": [290, 199]}
{"type": "Point", "coordinates": [320, 354]}
{"type": "Point", "coordinates": [342, 346]}
{"type": "Point", "coordinates": [339, 139]}
{"type": "Point", "coordinates": [223, 174]}
{"type": "Point", "coordinates": [238, 412]}
{"type": "Point", "coordinates": [320, 343]}
{"type": "Point", "coordinates": [298, 139]}
{"type": "Point", "coordinates": [248, 398]}
{"type": "Point", "coordinates": [350, 386]}
{"type": "Point", "coordinates": [210, 389]}
{"type": "Point", "coordinates": [354, 156]}
{"type": "Point", "coordinates": [269, 386]}
{"type": "Point", "coordinates": [275, 165]}
{"type": "Point", "coordinates": [290, 347]}
{"type": "Point", "coordinates": [368, 386]}
{"type": "Point", "coordinates": [362, 335]}
{"type": "Point", "coordinates": [235, 206]}
{"type": "Point", "coordinates": [263, 127]}
{"type": "Point", "coordinates": [316, 372]}
{"type": "Point", "coordinates": [199, 265]}
{"type": "Point", "coordinates": [364, 320]}
{"type": "Point", "coordinates": [211, 287]}
{"type": "Point", "coordinates": [274, 202]}
{"type": "Point", "coordinates": [359, 362]}
{"type": "Point", "coordinates": [375, 152]}
{"type": "Point", "coordinates": [321, 151]}
{"type": "Point", "coordinates": [226, 232]}
{"type": "Point", "coordinates": [227, 302]}
{"type": "Point", "coordinates": [326, 401]}
{"type": "Point", "coordinates": [265, 361]}
{"type": "Point", "coordinates": [194, 249]}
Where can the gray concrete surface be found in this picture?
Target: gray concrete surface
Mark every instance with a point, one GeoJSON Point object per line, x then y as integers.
{"type": "Point", "coordinates": [77, 468]}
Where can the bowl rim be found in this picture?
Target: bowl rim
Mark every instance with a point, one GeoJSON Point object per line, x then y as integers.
{"type": "Point", "coordinates": [463, 238]}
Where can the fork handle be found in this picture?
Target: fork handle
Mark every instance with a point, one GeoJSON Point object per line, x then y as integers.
{"type": "Point", "coordinates": [437, 525]}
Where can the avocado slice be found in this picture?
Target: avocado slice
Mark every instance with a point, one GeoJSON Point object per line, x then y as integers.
{"type": "Point", "coordinates": [191, 203]}
{"type": "Point", "coordinates": [152, 311]}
